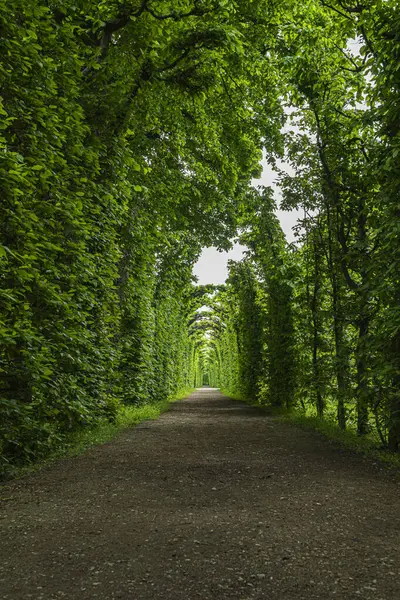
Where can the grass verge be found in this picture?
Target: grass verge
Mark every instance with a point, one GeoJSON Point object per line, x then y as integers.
{"type": "Point", "coordinates": [78, 442]}
{"type": "Point", "coordinates": [367, 445]}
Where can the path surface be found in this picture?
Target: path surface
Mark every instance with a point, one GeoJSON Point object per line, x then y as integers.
{"type": "Point", "coordinates": [214, 500]}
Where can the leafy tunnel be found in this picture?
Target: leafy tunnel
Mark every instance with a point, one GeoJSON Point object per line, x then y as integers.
{"type": "Point", "coordinates": [130, 133]}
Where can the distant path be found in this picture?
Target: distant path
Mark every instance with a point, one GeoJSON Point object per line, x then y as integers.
{"type": "Point", "coordinates": [214, 500]}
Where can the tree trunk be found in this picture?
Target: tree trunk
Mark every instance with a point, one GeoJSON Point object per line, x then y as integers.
{"type": "Point", "coordinates": [341, 358]}
{"type": "Point", "coordinates": [394, 419]}
{"type": "Point", "coordinates": [362, 387]}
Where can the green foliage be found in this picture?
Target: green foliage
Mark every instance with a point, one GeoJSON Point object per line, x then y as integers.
{"type": "Point", "coordinates": [328, 307]}
{"type": "Point", "coordinates": [350, 371]}
{"type": "Point", "coordinates": [79, 441]}
{"type": "Point", "coordinates": [368, 445]}
{"type": "Point", "coordinates": [251, 333]}
{"type": "Point", "coordinates": [129, 135]}
{"type": "Point", "coordinates": [120, 157]}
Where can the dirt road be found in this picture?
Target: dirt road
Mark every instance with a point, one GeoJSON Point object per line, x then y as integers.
{"type": "Point", "coordinates": [215, 500]}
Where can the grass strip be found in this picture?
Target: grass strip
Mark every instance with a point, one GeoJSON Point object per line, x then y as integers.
{"type": "Point", "coordinates": [77, 442]}
{"type": "Point", "coordinates": [367, 445]}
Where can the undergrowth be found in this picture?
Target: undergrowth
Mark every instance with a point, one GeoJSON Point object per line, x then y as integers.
{"type": "Point", "coordinates": [77, 442]}
{"type": "Point", "coordinates": [368, 445]}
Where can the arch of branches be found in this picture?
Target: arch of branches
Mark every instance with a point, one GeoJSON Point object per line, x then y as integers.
{"type": "Point", "coordinates": [130, 133]}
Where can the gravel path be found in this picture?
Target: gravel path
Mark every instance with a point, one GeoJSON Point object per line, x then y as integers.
{"type": "Point", "coordinates": [215, 500]}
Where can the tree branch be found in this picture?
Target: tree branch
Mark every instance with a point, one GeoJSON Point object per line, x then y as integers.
{"type": "Point", "coordinates": [123, 18]}
{"type": "Point", "coordinates": [197, 11]}
{"type": "Point", "coordinates": [120, 21]}
{"type": "Point", "coordinates": [336, 10]}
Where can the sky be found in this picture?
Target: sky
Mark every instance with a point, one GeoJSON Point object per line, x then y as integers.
{"type": "Point", "coordinates": [212, 265]}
